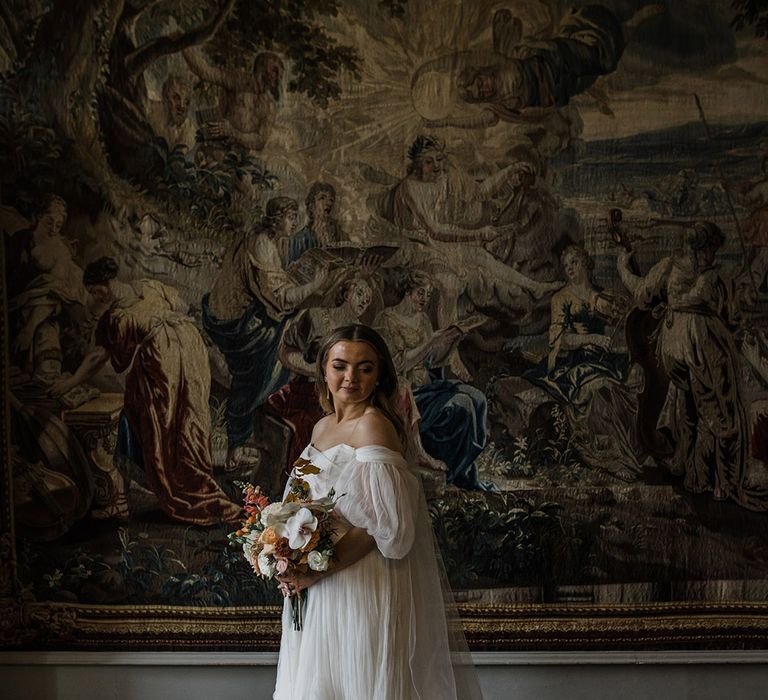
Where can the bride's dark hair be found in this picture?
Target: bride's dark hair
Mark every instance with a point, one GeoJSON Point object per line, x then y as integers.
{"type": "Point", "coordinates": [384, 395]}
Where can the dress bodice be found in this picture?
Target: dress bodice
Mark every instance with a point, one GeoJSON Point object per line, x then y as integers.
{"type": "Point", "coordinates": [331, 463]}
{"type": "Point", "coordinates": [351, 471]}
{"type": "Point", "coordinates": [334, 461]}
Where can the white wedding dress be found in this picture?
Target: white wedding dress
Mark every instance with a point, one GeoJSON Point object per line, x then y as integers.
{"type": "Point", "coordinates": [376, 630]}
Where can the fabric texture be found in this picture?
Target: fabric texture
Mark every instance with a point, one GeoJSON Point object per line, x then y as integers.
{"type": "Point", "coordinates": [296, 402]}
{"type": "Point", "coordinates": [300, 243]}
{"type": "Point", "coordinates": [453, 427]}
{"type": "Point", "coordinates": [250, 345]}
{"type": "Point", "coordinates": [166, 393]}
{"type": "Point", "coordinates": [547, 73]}
{"type": "Point", "coordinates": [703, 412]}
{"type": "Point", "coordinates": [591, 383]}
{"type": "Point", "coordinates": [377, 629]}
{"type": "Point", "coordinates": [453, 414]}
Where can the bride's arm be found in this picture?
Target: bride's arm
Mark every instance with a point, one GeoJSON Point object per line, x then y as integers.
{"type": "Point", "coordinates": [351, 548]}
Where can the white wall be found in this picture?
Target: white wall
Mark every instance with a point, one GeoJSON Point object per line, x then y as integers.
{"type": "Point", "coordinates": [523, 676]}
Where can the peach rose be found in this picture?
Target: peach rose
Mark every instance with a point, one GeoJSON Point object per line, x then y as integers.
{"type": "Point", "coordinates": [269, 536]}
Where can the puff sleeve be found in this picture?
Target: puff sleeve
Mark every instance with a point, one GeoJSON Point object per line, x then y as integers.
{"type": "Point", "coordinates": [380, 495]}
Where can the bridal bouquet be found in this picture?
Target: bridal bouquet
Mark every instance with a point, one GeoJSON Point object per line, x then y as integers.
{"type": "Point", "coordinates": [292, 535]}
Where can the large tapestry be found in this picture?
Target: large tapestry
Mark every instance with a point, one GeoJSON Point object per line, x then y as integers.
{"type": "Point", "coordinates": [555, 214]}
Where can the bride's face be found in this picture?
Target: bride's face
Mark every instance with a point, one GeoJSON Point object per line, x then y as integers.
{"type": "Point", "coordinates": [351, 372]}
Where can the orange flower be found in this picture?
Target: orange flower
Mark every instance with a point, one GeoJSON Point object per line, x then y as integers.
{"type": "Point", "coordinates": [282, 548]}
{"type": "Point", "coordinates": [312, 542]}
{"type": "Point", "coordinates": [269, 536]}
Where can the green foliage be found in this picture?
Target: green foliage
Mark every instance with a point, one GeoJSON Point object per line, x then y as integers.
{"type": "Point", "coordinates": [751, 13]}
{"type": "Point", "coordinates": [145, 573]}
{"type": "Point", "coordinates": [490, 539]}
{"type": "Point", "coordinates": [68, 579]}
{"type": "Point", "coordinates": [550, 453]}
{"type": "Point", "coordinates": [229, 581]}
{"type": "Point", "coordinates": [290, 28]}
{"type": "Point", "coordinates": [30, 158]}
{"type": "Point", "coordinates": [506, 458]}
{"type": "Point", "coordinates": [494, 539]}
{"type": "Point", "coordinates": [35, 160]}
{"type": "Point", "coordinates": [206, 190]}
{"type": "Point", "coordinates": [521, 462]}
{"type": "Point", "coordinates": [561, 451]}
{"type": "Point", "coordinates": [140, 568]}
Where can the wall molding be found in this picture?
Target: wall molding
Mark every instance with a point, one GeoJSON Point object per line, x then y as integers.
{"type": "Point", "coordinates": [228, 658]}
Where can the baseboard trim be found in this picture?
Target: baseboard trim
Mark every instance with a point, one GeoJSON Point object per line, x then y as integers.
{"type": "Point", "coordinates": [483, 658]}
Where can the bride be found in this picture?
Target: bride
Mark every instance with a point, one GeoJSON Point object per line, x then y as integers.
{"type": "Point", "coordinates": [374, 624]}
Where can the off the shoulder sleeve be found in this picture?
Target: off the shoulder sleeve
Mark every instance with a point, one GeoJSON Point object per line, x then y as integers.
{"type": "Point", "coordinates": [380, 496]}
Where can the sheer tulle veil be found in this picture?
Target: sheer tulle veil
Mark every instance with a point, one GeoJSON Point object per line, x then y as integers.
{"type": "Point", "coordinates": [434, 609]}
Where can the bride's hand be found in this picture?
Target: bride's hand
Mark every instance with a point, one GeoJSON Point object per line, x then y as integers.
{"type": "Point", "coordinates": [285, 588]}
{"type": "Point", "coordinates": [293, 583]}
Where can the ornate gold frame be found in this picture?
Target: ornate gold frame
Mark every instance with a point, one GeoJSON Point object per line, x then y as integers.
{"type": "Point", "coordinates": [489, 628]}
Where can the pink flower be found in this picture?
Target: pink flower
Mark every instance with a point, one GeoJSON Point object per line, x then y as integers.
{"type": "Point", "coordinates": [282, 566]}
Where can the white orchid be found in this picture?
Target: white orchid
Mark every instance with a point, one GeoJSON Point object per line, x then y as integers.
{"type": "Point", "coordinates": [278, 513]}
{"type": "Point", "coordinates": [298, 528]}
